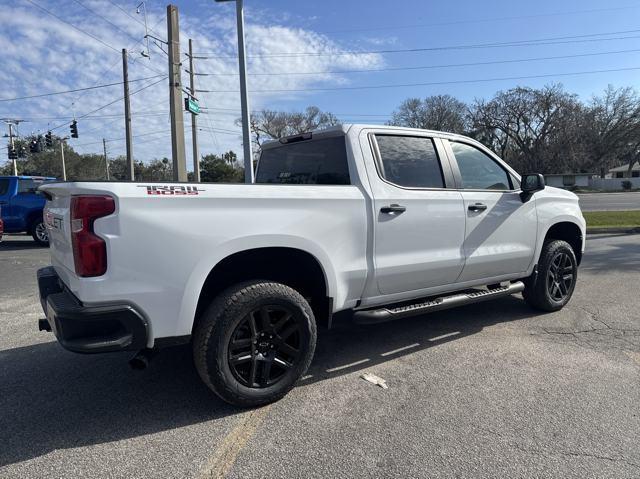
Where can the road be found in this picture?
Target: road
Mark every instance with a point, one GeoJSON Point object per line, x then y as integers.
{"type": "Point", "coordinates": [610, 201]}
{"type": "Point", "coordinates": [493, 390]}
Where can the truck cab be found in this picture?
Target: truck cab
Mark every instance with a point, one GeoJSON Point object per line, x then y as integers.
{"type": "Point", "coordinates": [21, 206]}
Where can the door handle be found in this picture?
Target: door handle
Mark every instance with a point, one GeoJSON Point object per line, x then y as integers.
{"type": "Point", "coordinates": [393, 209]}
{"type": "Point", "coordinates": [477, 207]}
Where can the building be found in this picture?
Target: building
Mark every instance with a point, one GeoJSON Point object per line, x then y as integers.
{"type": "Point", "coordinates": [569, 180]}
{"type": "Point", "coordinates": [621, 171]}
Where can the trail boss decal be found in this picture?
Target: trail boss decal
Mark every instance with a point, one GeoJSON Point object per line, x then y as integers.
{"type": "Point", "coordinates": [174, 190]}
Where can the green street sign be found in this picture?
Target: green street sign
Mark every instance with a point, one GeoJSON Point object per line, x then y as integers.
{"type": "Point", "coordinates": [191, 105]}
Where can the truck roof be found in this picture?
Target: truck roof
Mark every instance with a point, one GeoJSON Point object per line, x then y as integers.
{"type": "Point", "coordinates": [23, 177]}
{"type": "Point", "coordinates": [343, 129]}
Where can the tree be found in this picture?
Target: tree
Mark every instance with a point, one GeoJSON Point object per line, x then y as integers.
{"type": "Point", "coordinates": [48, 162]}
{"type": "Point", "coordinates": [612, 128]}
{"type": "Point", "coordinates": [221, 169]}
{"type": "Point", "coordinates": [270, 124]}
{"type": "Point", "coordinates": [535, 130]}
{"type": "Point", "coordinates": [119, 171]}
{"type": "Point", "coordinates": [438, 112]}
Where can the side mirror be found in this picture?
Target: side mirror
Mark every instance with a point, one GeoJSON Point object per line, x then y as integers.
{"type": "Point", "coordinates": [529, 184]}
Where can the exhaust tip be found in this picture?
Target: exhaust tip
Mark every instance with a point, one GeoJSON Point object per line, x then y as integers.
{"type": "Point", "coordinates": [43, 325]}
{"type": "Point", "coordinates": [141, 359]}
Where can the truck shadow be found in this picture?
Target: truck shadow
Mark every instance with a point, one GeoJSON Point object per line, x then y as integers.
{"type": "Point", "coordinates": [51, 399]}
{"type": "Point", "coordinates": [348, 347]}
{"type": "Point", "coordinates": [13, 243]}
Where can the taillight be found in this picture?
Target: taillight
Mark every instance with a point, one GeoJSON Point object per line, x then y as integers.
{"type": "Point", "coordinates": [89, 250]}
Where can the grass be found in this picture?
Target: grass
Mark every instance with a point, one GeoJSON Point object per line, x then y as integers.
{"type": "Point", "coordinates": [612, 219]}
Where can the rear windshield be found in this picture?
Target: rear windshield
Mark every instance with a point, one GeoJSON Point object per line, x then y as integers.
{"type": "Point", "coordinates": [4, 186]}
{"type": "Point", "coordinates": [314, 162]}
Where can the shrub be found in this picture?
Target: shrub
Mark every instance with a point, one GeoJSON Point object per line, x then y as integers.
{"type": "Point", "coordinates": [626, 185]}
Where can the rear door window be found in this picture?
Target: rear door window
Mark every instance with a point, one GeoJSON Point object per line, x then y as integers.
{"type": "Point", "coordinates": [4, 186]}
{"type": "Point", "coordinates": [409, 161]}
{"type": "Point", "coordinates": [26, 186]}
{"type": "Point", "coordinates": [310, 162]}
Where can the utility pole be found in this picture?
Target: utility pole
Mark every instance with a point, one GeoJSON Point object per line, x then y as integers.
{"type": "Point", "coordinates": [175, 96]}
{"type": "Point", "coordinates": [127, 115]}
{"type": "Point", "coordinates": [244, 96]}
{"type": "Point", "coordinates": [194, 122]}
{"type": "Point", "coordinates": [14, 161]}
{"type": "Point", "coordinates": [64, 168]}
{"type": "Point", "coordinates": [10, 123]}
{"type": "Point", "coordinates": [106, 160]}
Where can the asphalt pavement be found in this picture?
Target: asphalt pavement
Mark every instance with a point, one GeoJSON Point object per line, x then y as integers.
{"type": "Point", "coordinates": [490, 390]}
{"type": "Point", "coordinates": [610, 201]}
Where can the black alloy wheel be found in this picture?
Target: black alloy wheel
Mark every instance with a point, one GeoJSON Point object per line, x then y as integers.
{"type": "Point", "coordinates": [264, 346]}
{"type": "Point", "coordinates": [560, 276]}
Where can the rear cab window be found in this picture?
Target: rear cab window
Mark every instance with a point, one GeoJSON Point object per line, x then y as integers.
{"type": "Point", "coordinates": [320, 161]}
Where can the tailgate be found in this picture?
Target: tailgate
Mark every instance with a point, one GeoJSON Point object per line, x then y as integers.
{"type": "Point", "coordinates": [57, 219]}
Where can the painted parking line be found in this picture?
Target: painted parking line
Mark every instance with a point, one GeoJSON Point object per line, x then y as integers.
{"type": "Point", "coordinates": [224, 457]}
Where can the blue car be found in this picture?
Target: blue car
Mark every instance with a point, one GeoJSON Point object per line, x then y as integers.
{"type": "Point", "coordinates": [21, 206]}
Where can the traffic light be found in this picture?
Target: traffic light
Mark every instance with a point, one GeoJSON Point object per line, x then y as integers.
{"type": "Point", "coordinates": [48, 139]}
{"type": "Point", "coordinates": [13, 154]}
{"type": "Point", "coordinates": [34, 145]}
{"type": "Point", "coordinates": [74, 129]}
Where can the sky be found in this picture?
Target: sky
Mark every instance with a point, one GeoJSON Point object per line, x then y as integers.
{"type": "Point", "coordinates": [358, 59]}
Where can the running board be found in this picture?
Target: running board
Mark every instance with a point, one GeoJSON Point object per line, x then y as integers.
{"type": "Point", "coordinates": [382, 315]}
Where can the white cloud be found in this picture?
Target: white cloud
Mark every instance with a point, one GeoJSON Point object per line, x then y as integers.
{"type": "Point", "coordinates": [43, 54]}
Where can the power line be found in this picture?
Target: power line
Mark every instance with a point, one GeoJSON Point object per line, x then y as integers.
{"type": "Point", "coordinates": [481, 20]}
{"type": "Point", "coordinates": [517, 43]}
{"type": "Point", "coordinates": [91, 117]}
{"type": "Point", "coordinates": [120, 139]}
{"type": "Point", "coordinates": [73, 26]}
{"type": "Point", "coordinates": [95, 87]}
{"type": "Point", "coordinates": [117, 63]}
{"type": "Point", "coordinates": [105, 19]}
{"type": "Point", "coordinates": [450, 65]}
{"type": "Point", "coordinates": [134, 18]}
{"type": "Point", "coordinates": [88, 34]}
{"type": "Point", "coordinates": [450, 82]}
{"type": "Point", "coordinates": [109, 104]}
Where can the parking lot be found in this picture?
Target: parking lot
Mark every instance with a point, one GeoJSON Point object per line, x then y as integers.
{"type": "Point", "coordinates": [488, 390]}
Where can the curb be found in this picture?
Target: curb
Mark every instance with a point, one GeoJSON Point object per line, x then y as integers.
{"type": "Point", "coordinates": [623, 230]}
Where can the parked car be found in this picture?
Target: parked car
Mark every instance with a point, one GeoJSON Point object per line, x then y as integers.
{"type": "Point", "coordinates": [1, 225]}
{"type": "Point", "coordinates": [22, 206]}
{"type": "Point", "coordinates": [387, 222]}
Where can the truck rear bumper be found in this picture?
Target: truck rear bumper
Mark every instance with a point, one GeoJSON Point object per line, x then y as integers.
{"type": "Point", "coordinates": [88, 329]}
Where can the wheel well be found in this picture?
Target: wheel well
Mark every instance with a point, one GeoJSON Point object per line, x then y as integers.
{"type": "Point", "coordinates": [293, 267]}
{"type": "Point", "coordinates": [31, 218]}
{"type": "Point", "coordinates": [570, 233]}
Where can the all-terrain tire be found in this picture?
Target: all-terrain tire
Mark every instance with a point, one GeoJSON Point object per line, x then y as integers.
{"type": "Point", "coordinates": [550, 289]}
{"type": "Point", "coordinates": [218, 327]}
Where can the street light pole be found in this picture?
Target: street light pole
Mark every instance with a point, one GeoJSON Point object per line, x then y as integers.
{"type": "Point", "coordinates": [244, 95]}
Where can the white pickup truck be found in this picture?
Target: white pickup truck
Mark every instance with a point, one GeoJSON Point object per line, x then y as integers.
{"type": "Point", "coordinates": [386, 222]}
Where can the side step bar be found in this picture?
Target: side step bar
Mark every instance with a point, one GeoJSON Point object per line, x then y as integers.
{"type": "Point", "coordinates": [382, 315]}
